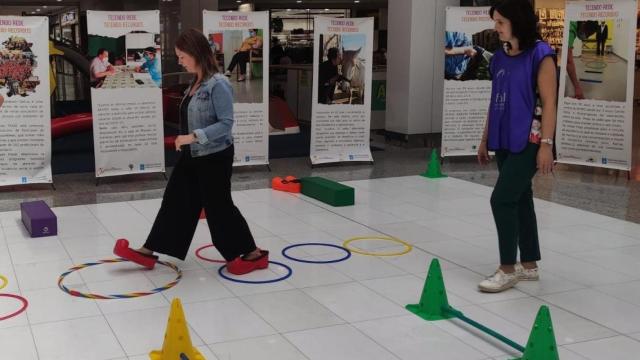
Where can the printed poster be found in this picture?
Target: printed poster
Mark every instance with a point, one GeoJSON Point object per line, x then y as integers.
{"type": "Point", "coordinates": [240, 42]}
{"type": "Point", "coordinates": [25, 113]}
{"type": "Point", "coordinates": [595, 110]}
{"type": "Point", "coordinates": [341, 105]}
{"type": "Point", "coordinates": [126, 91]}
{"type": "Point", "coordinates": [469, 43]}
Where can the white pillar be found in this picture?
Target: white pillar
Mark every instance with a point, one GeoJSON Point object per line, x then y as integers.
{"type": "Point", "coordinates": [415, 66]}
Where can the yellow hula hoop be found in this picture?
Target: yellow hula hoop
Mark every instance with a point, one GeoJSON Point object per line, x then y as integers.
{"type": "Point", "coordinates": [407, 246]}
{"type": "Point", "coordinates": [5, 282]}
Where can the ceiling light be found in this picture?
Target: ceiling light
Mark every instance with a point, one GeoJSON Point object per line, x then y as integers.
{"type": "Point", "coordinates": [44, 6]}
{"type": "Point", "coordinates": [288, 9]}
{"type": "Point", "coordinates": [37, 9]}
{"type": "Point", "coordinates": [356, 1]}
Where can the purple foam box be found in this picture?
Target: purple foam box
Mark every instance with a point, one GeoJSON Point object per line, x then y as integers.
{"type": "Point", "coordinates": [38, 218]}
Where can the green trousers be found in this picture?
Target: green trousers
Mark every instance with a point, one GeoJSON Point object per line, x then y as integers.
{"type": "Point", "coordinates": [512, 206]}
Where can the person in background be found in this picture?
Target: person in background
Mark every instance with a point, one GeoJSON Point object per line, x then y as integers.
{"type": "Point", "coordinates": [602, 34]}
{"type": "Point", "coordinates": [571, 65]}
{"type": "Point", "coordinates": [151, 65]}
{"type": "Point", "coordinates": [241, 58]}
{"type": "Point", "coordinates": [100, 67]}
{"type": "Point", "coordinates": [524, 86]}
{"type": "Point", "coordinates": [328, 75]}
{"type": "Point", "coordinates": [202, 176]}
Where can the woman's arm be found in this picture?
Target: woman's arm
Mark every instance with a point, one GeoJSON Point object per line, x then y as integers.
{"type": "Point", "coordinates": [222, 98]}
{"type": "Point", "coordinates": [483, 152]}
{"type": "Point", "coordinates": [547, 85]}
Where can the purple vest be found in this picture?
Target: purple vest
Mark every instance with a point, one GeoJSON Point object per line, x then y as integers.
{"type": "Point", "coordinates": [513, 96]}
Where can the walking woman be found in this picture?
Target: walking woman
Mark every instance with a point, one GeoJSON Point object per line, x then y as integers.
{"type": "Point", "coordinates": [520, 129]}
{"type": "Point", "coordinates": [202, 176]}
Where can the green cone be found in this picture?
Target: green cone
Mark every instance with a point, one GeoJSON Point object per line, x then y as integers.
{"type": "Point", "coordinates": [433, 302]}
{"type": "Point", "coordinates": [433, 169]}
{"type": "Point", "coordinates": [542, 341]}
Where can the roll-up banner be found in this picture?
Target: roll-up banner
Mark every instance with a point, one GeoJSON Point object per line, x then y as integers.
{"type": "Point", "coordinates": [595, 111]}
{"type": "Point", "coordinates": [25, 112]}
{"type": "Point", "coordinates": [469, 43]}
{"type": "Point", "coordinates": [240, 42]}
{"type": "Point", "coordinates": [341, 105]}
{"type": "Point", "coordinates": [126, 91]}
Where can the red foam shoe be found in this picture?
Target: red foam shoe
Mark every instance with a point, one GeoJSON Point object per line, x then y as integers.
{"type": "Point", "coordinates": [122, 249]}
{"type": "Point", "coordinates": [240, 266]}
{"type": "Point", "coordinates": [288, 184]}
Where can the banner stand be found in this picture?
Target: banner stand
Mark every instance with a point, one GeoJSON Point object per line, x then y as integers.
{"type": "Point", "coordinates": [342, 83]}
{"type": "Point", "coordinates": [164, 174]}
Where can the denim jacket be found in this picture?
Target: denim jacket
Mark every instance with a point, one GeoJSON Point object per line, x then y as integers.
{"type": "Point", "coordinates": [211, 116]}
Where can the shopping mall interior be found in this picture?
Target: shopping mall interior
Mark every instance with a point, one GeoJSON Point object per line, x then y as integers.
{"type": "Point", "coordinates": [68, 296]}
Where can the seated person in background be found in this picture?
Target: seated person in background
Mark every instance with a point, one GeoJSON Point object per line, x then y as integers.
{"type": "Point", "coordinates": [151, 65]}
{"type": "Point", "coordinates": [100, 67]}
{"type": "Point", "coordinates": [328, 75]}
{"type": "Point", "coordinates": [242, 56]}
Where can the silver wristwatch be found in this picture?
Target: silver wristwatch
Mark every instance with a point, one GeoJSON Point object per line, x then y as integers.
{"type": "Point", "coordinates": [547, 141]}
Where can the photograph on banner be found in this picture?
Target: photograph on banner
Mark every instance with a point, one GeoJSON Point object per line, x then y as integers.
{"type": "Point", "coordinates": [595, 122]}
{"type": "Point", "coordinates": [341, 77]}
{"type": "Point", "coordinates": [602, 72]}
{"type": "Point", "coordinates": [240, 42]}
{"type": "Point", "coordinates": [469, 44]}
{"type": "Point", "coordinates": [126, 91]}
{"type": "Point", "coordinates": [341, 98]}
{"type": "Point", "coordinates": [17, 65]}
{"type": "Point", "coordinates": [25, 129]}
{"type": "Point", "coordinates": [239, 53]}
{"type": "Point", "coordinates": [467, 56]}
{"type": "Point", "coordinates": [129, 61]}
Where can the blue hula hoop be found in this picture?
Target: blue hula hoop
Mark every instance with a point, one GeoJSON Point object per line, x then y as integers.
{"type": "Point", "coordinates": [348, 253]}
{"type": "Point", "coordinates": [286, 276]}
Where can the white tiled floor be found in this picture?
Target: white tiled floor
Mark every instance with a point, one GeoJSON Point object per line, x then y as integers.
{"type": "Point", "coordinates": [349, 310]}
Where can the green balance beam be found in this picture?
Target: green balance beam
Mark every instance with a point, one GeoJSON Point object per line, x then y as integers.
{"type": "Point", "coordinates": [328, 191]}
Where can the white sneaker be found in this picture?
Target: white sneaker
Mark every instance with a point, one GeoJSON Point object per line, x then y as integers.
{"type": "Point", "coordinates": [227, 73]}
{"type": "Point", "coordinates": [500, 281]}
{"type": "Point", "coordinates": [527, 274]}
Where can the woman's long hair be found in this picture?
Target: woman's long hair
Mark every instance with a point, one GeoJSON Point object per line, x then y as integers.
{"type": "Point", "coordinates": [196, 45]}
{"type": "Point", "coordinates": [523, 20]}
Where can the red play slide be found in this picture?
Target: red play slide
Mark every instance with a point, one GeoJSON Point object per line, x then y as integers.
{"type": "Point", "coordinates": [82, 122]}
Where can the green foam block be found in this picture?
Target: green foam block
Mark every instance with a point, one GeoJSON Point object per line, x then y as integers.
{"type": "Point", "coordinates": [327, 191]}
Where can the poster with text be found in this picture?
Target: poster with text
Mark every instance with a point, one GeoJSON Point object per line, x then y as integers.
{"type": "Point", "coordinates": [240, 42]}
{"type": "Point", "coordinates": [25, 107]}
{"type": "Point", "coordinates": [469, 43]}
{"type": "Point", "coordinates": [126, 91]}
{"type": "Point", "coordinates": [341, 105]}
{"type": "Point", "coordinates": [595, 108]}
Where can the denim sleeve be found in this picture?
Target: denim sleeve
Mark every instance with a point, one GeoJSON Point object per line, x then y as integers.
{"type": "Point", "coordinates": [222, 98]}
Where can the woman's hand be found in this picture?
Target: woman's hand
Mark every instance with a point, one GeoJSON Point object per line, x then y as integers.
{"type": "Point", "coordinates": [545, 159]}
{"type": "Point", "coordinates": [483, 153]}
{"type": "Point", "coordinates": [184, 140]}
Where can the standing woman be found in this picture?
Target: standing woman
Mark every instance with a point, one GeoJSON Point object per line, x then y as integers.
{"type": "Point", "coordinates": [520, 128]}
{"type": "Point", "coordinates": [202, 176]}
